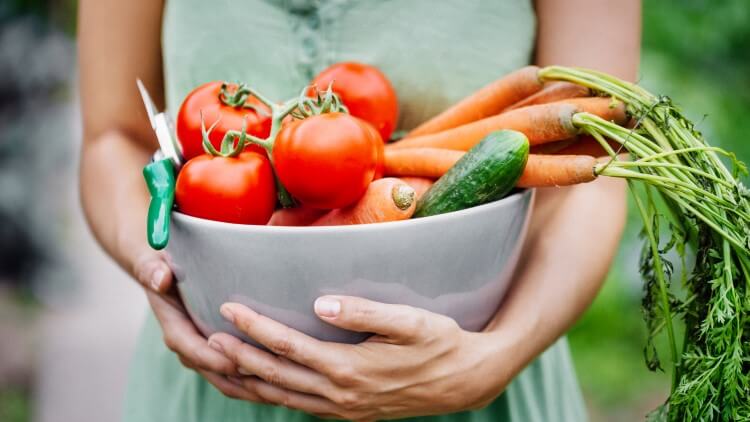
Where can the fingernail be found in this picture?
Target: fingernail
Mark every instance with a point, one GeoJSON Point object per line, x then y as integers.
{"type": "Point", "coordinates": [243, 371]}
{"type": "Point", "coordinates": [215, 345]}
{"type": "Point", "coordinates": [327, 307]}
{"type": "Point", "coordinates": [156, 279]}
{"type": "Point", "coordinates": [227, 313]}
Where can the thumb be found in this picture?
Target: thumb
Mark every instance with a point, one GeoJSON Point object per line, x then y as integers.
{"type": "Point", "coordinates": [152, 271]}
{"type": "Point", "coordinates": [353, 313]}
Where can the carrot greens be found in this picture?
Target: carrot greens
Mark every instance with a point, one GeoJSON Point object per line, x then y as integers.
{"type": "Point", "coordinates": [679, 182]}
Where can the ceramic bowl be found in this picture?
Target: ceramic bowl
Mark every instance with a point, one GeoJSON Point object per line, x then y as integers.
{"type": "Point", "coordinates": [458, 264]}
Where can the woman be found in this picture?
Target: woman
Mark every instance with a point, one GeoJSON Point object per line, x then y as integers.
{"type": "Point", "coordinates": [435, 53]}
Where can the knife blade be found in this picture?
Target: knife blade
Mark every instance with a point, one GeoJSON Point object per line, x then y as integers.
{"type": "Point", "coordinates": [162, 124]}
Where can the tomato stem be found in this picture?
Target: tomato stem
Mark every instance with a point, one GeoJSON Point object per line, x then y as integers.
{"type": "Point", "coordinates": [267, 144]}
{"type": "Point", "coordinates": [300, 107]}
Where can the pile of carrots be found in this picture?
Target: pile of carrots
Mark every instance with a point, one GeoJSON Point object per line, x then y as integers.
{"type": "Point", "coordinates": [519, 101]}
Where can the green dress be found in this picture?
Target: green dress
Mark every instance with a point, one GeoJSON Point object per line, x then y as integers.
{"type": "Point", "coordinates": [434, 52]}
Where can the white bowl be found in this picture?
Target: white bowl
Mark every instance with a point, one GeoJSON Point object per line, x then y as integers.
{"type": "Point", "coordinates": [458, 264]}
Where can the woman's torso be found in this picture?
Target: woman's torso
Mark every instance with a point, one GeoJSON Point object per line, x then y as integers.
{"type": "Point", "coordinates": [434, 53]}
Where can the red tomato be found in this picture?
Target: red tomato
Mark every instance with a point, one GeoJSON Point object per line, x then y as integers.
{"type": "Point", "coordinates": [365, 91]}
{"type": "Point", "coordinates": [238, 189]}
{"type": "Point", "coordinates": [326, 161]}
{"type": "Point", "coordinates": [205, 98]}
{"type": "Point", "coordinates": [380, 167]}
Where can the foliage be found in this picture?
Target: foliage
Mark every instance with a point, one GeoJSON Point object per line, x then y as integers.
{"type": "Point", "coordinates": [60, 14]}
{"type": "Point", "coordinates": [695, 51]}
{"type": "Point", "coordinates": [15, 405]}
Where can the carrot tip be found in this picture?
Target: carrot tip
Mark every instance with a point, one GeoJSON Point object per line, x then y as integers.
{"type": "Point", "coordinates": [403, 196]}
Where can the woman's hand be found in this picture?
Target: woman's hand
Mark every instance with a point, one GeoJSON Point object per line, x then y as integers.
{"type": "Point", "coordinates": [417, 363]}
{"type": "Point", "coordinates": [180, 334]}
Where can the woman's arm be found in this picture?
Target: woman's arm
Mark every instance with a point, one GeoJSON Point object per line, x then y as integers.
{"type": "Point", "coordinates": [421, 363]}
{"type": "Point", "coordinates": [117, 137]}
{"type": "Point", "coordinates": [120, 41]}
{"type": "Point", "coordinates": [574, 231]}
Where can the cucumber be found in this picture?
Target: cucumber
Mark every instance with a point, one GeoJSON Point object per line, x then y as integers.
{"type": "Point", "coordinates": [485, 174]}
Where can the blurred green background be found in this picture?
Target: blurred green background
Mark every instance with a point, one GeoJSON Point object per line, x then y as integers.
{"type": "Point", "coordinates": [695, 51]}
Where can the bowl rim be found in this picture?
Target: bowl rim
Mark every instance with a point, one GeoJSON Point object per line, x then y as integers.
{"type": "Point", "coordinates": [433, 219]}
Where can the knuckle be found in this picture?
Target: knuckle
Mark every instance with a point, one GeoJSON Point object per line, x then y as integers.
{"type": "Point", "coordinates": [245, 323]}
{"type": "Point", "coordinates": [170, 342]}
{"type": "Point", "coordinates": [186, 363]}
{"type": "Point", "coordinates": [348, 400]}
{"type": "Point", "coordinates": [271, 375]}
{"type": "Point", "coordinates": [416, 324]}
{"type": "Point", "coordinates": [344, 376]}
{"type": "Point", "coordinates": [141, 269]}
{"type": "Point", "coordinates": [362, 313]}
{"type": "Point", "coordinates": [282, 346]}
{"type": "Point", "coordinates": [446, 323]}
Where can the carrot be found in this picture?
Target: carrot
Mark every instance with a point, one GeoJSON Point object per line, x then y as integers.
{"type": "Point", "coordinates": [540, 123]}
{"type": "Point", "coordinates": [488, 101]}
{"type": "Point", "coordinates": [604, 107]}
{"type": "Point", "coordinates": [552, 91]}
{"type": "Point", "coordinates": [542, 170]}
{"type": "Point", "coordinates": [387, 199]}
{"type": "Point", "coordinates": [423, 162]}
{"type": "Point", "coordinates": [586, 145]}
{"type": "Point", "coordinates": [553, 147]}
{"type": "Point", "coordinates": [557, 170]}
{"type": "Point", "coordinates": [299, 216]}
{"type": "Point", "coordinates": [419, 184]}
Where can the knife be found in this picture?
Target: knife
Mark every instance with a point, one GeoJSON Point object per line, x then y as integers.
{"type": "Point", "coordinates": [160, 173]}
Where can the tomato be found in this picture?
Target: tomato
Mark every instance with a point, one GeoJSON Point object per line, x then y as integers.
{"type": "Point", "coordinates": [238, 189]}
{"type": "Point", "coordinates": [365, 91]}
{"type": "Point", "coordinates": [380, 167]}
{"type": "Point", "coordinates": [326, 161]}
{"type": "Point", "coordinates": [205, 98]}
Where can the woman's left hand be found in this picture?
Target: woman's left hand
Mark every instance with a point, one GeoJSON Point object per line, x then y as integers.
{"type": "Point", "coordinates": [417, 363]}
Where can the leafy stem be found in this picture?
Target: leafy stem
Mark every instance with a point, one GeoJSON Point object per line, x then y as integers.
{"type": "Point", "coordinates": [705, 204]}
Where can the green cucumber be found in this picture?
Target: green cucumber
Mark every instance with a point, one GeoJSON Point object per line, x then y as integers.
{"type": "Point", "coordinates": [486, 173]}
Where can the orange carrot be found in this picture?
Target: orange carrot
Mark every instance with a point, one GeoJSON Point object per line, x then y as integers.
{"type": "Point", "coordinates": [553, 147]}
{"type": "Point", "coordinates": [552, 91]}
{"type": "Point", "coordinates": [557, 170]}
{"type": "Point", "coordinates": [419, 184]}
{"type": "Point", "coordinates": [387, 199]}
{"type": "Point", "coordinates": [587, 145]}
{"type": "Point", "coordinates": [488, 101]}
{"type": "Point", "coordinates": [423, 162]}
{"type": "Point", "coordinates": [299, 216]}
{"type": "Point", "coordinates": [542, 170]}
{"type": "Point", "coordinates": [604, 107]}
{"type": "Point", "coordinates": [540, 123]}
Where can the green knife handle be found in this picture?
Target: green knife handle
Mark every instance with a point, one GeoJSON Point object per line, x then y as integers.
{"type": "Point", "coordinates": [160, 180]}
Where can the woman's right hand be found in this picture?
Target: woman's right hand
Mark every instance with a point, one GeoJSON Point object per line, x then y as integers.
{"type": "Point", "coordinates": [180, 334]}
